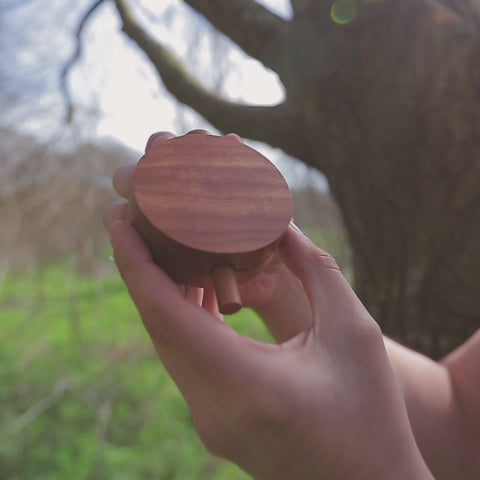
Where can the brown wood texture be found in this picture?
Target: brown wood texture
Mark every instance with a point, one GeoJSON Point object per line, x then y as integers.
{"type": "Point", "coordinates": [226, 287]}
{"type": "Point", "coordinates": [202, 201]}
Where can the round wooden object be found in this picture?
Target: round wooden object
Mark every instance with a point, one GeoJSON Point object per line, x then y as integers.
{"type": "Point", "coordinates": [211, 210]}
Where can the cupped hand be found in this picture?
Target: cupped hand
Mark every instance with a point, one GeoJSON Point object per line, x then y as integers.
{"type": "Point", "coordinates": [324, 404]}
{"type": "Point", "coordinates": [266, 293]}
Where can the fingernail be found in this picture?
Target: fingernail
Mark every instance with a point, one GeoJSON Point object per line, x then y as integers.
{"type": "Point", "coordinates": [199, 130]}
{"type": "Point", "coordinates": [235, 137]}
{"type": "Point", "coordinates": [157, 137]}
{"type": "Point", "coordinates": [114, 224]}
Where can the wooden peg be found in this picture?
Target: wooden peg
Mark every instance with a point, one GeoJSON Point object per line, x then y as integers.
{"type": "Point", "coordinates": [226, 288]}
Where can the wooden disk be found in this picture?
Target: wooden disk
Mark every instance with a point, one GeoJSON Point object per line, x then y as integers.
{"type": "Point", "coordinates": [202, 201]}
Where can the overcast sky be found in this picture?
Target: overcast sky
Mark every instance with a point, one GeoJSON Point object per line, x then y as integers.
{"type": "Point", "coordinates": [112, 80]}
{"type": "Point", "coordinates": [115, 91]}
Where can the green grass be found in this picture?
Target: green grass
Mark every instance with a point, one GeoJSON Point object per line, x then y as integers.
{"type": "Point", "coordinates": [83, 395]}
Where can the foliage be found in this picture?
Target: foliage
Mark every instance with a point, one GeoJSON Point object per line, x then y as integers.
{"type": "Point", "coordinates": [83, 395]}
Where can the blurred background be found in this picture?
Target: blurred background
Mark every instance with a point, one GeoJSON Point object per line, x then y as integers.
{"type": "Point", "coordinates": [368, 107]}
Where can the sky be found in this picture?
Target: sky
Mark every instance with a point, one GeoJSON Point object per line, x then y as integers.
{"type": "Point", "coordinates": [115, 91]}
{"type": "Point", "coordinates": [141, 94]}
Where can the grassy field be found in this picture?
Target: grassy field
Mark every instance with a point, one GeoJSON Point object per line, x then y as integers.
{"type": "Point", "coordinates": [82, 393]}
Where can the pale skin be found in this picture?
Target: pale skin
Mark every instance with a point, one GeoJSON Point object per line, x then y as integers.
{"type": "Point", "coordinates": [334, 399]}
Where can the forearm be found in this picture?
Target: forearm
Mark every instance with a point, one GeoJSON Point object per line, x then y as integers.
{"type": "Point", "coordinates": [437, 418]}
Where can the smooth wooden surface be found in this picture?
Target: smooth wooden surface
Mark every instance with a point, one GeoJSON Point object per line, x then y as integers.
{"type": "Point", "coordinates": [226, 288]}
{"type": "Point", "coordinates": [202, 201]}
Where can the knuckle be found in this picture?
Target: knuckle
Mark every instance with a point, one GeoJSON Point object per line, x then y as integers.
{"type": "Point", "coordinates": [156, 138]}
{"type": "Point", "coordinates": [323, 259]}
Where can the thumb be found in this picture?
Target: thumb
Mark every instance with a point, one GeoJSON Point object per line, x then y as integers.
{"type": "Point", "coordinates": [333, 302]}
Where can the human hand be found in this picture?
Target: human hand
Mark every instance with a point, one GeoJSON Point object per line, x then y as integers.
{"type": "Point", "coordinates": [324, 404]}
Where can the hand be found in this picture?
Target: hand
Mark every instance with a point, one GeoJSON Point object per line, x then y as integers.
{"type": "Point", "coordinates": [260, 292]}
{"type": "Point", "coordinates": [324, 404]}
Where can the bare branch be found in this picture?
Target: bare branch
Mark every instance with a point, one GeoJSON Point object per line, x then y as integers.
{"type": "Point", "coordinates": [74, 59]}
{"type": "Point", "coordinates": [261, 123]}
{"type": "Point", "coordinates": [29, 416]}
{"type": "Point", "coordinates": [255, 29]}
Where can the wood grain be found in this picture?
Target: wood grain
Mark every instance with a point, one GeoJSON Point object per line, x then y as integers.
{"type": "Point", "coordinates": [200, 201]}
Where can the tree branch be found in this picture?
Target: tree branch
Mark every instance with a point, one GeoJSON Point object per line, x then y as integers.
{"type": "Point", "coordinates": [53, 397]}
{"type": "Point", "coordinates": [255, 29]}
{"type": "Point", "coordinates": [265, 124]}
{"type": "Point", "coordinates": [74, 59]}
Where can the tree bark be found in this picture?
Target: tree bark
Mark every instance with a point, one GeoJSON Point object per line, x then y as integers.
{"type": "Point", "coordinates": [388, 107]}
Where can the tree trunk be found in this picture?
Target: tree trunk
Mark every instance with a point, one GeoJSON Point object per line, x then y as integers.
{"type": "Point", "coordinates": [406, 144]}
{"type": "Point", "coordinates": [388, 107]}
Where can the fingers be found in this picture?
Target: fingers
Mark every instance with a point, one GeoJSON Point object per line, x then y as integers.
{"type": "Point", "coordinates": [118, 211]}
{"type": "Point", "coordinates": [235, 137]}
{"type": "Point", "coordinates": [157, 138]}
{"type": "Point", "coordinates": [232, 136]}
{"type": "Point", "coordinates": [115, 211]}
{"type": "Point", "coordinates": [210, 303]}
{"type": "Point", "coordinates": [153, 292]}
{"type": "Point", "coordinates": [316, 269]}
{"type": "Point", "coordinates": [122, 180]}
{"type": "Point", "coordinates": [191, 342]}
{"type": "Point", "coordinates": [334, 304]}
{"type": "Point", "coordinates": [194, 294]}
{"type": "Point", "coordinates": [184, 335]}
{"type": "Point", "coordinates": [199, 131]}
